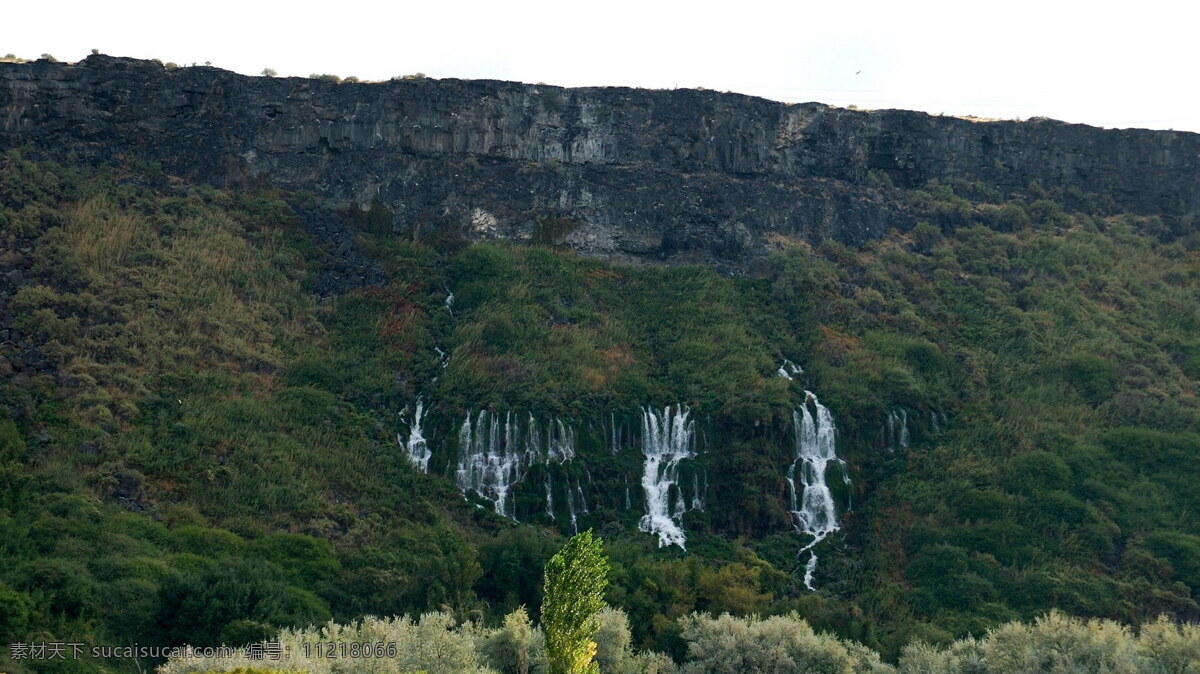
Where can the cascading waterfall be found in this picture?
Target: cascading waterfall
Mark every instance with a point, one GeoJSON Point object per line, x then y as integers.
{"type": "Point", "coordinates": [813, 507]}
{"type": "Point", "coordinates": [667, 438]}
{"type": "Point", "coordinates": [897, 430]}
{"type": "Point", "coordinates": [788, 370]}
{"type": "Point", "coordinates": [416, 446]}
{"type": "Point", "coordinates": [489, 463]}
{"type": "Point", "coordinates": [496, 451]}
{"type": "Point", "coordinates": [561, 440]}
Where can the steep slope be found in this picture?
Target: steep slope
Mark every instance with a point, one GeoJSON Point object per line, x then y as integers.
{"type": "Point", "coordinates": [618, 173]}
{"type": "Point", "coordinates": [211, 392]}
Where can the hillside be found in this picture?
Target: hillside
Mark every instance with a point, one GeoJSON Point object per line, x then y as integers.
{"type": "Point", "coordinates": [233, 405]}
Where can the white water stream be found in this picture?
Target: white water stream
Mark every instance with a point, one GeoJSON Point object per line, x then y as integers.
{"type": "Point", "coordinates": [812, 504]}
{"type": "Point", "coordinates": [415, 445]}
{"type": "Point", "coordinates": [668, 437]}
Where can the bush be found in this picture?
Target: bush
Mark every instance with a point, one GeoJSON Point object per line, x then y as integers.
{"type": "Point", "coordinates": [517, 647]}
{"type": "Point", "coordinates": [1182, 551]}
{"type": "Point", "coordinates": [1094, 378]}
{"type": "Point", "coordinates": [223, 601]}
{"type": "Point", "coordinates": [1037, 471]}
{"type": "Point", "coordinates": [1058, 643]}
{"type": "Point", "coordinates": [435, 643]}
{"type": "Point", "coordinates": [728, 645]}
{"type": "Point", "coordinates": [613, 652]}
{"type": "Point", "coordinates": [15, 616]}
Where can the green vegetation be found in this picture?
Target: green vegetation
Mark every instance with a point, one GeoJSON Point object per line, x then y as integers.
{"type": "Point", "coordinates": [729, 645]}
{"type": "Point", "coordinates": [575, 581]}
{"type": "Point", "coordinates": [193, 448]}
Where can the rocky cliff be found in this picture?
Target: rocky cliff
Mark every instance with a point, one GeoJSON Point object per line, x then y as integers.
{"type": "Point", "coordinates": [628, 174]}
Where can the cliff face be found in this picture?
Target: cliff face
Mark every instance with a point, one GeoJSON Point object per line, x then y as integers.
{"type": "Point", "coordinates": [622, 173]}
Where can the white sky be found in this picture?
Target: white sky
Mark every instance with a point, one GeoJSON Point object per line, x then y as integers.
{"type": "Point", "coordinates": [1127, 65]}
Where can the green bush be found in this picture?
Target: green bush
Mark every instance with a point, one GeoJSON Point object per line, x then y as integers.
{"type": "Point", "coordinates": [1094, 378]}
{"type": "Point", "coordinates": [224, 600]}
{"type": "Point", "coordinates": [1181, 551]}
{"type": "Point", "coordinates": [1037, 471]}
{"type": "Point", "coordinates": [15, 616]}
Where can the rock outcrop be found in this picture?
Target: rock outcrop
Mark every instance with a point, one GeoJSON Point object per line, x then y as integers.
{"type": "Point", "coordinates": [627, 174]}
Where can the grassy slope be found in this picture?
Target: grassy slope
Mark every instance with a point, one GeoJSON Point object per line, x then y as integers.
{"type": "Point", "coordinates": [249, 428]}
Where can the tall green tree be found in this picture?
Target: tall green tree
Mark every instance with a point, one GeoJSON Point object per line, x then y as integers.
{"type": "Point", "coordinates": [574, 595]}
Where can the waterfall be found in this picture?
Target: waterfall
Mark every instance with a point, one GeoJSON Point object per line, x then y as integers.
{"type": "Point", "coordinates": [489, 461]}
{"type": "Point", "coordinates": [418, 450]}
{"type": "Point", "coordinates": [561, 438]}
{"type": "Point", "coordinates": [934, 416]}
{"type": "Point", "coordinates": [533, 437]}
{"type": "Point", "coordinates": [496, 450]}
{"type": "Point", "coordinates": [809, 569]}
{"type": "Point", "coordinates": [897, 430]}
{"type": "Point", "coordinates": [788, 370]}
{"type": "Point", "coordinates": [582, 501]}
{"type": "Point", "coordinates": [667, 438]}
{"type": "Point", "coordinates": [571, 510]}
{"type": "Point", "coordinates": [813, 508]}
{"type": "Point", "coordinates": [697, 498]}
{"type": "Point", "coordinates": [680, 506]}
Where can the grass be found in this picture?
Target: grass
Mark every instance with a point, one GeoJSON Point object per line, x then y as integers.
{"type": "Point", "coordinates": [192, 380]}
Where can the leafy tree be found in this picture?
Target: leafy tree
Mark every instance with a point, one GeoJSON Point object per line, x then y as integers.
{"type": "Point", "coordinates": [15, 616]}
{"type": "Point", "coordinates": [240, 600]}
{"type": "Point", "coordinates": [574, 594]}
{"type": "Point", "coordinates": [613, 652]}
{"type": "Point", "coordinates": [517, 647]}
{"type": "Point", "coordinates": [776, 644]}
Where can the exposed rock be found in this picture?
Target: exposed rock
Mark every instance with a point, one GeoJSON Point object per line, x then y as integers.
{"type": "Point", "coordinates": [627, 174]}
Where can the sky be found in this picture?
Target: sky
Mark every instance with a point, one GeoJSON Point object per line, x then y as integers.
{"type": "Point", "coordinates": [1106, 64]}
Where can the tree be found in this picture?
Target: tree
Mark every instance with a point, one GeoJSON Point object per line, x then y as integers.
{"type": "Point", "coordinates": [517, 647]}
{"type": "Point", "coordinates": [613, 652]}
{"type": "Point", "coordinates": [574, 594]}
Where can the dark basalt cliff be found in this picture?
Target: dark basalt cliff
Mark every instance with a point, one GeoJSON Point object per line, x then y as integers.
{"type": "Point", "coordinates": [627, 174]}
